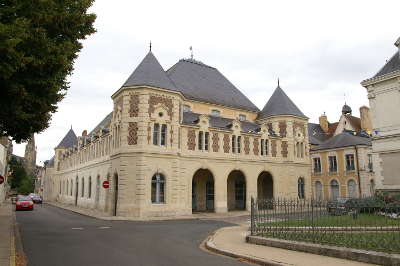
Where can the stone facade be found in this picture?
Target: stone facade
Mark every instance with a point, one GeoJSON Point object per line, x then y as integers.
{"type": "Point", "coordinates": [384, 98]}
{"type": "Point", "coordinates": [159, 164]}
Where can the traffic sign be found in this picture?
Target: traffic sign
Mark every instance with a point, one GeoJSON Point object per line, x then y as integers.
{"type": "Point", "coordinates": [1, 179]}
{"type": "Point", "coordinates": [106, 184]}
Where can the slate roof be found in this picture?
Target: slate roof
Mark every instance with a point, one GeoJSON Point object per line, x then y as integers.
{"type": "Point", "coordinates": [316, 135]}
{"type": "Point", "coordinates": [190, 118]}
{"type": "Point", "coordinates": [150, 72]}
{"type": "Point", "coordinates": [69, 140]}
{"type": "Point", "coordinates": [280, 104]}
{"type": "Point", "coordinates": [200, 82]}
{"type": "Point", "coordinates": [49, 163]}
{"type": "Point", "coordinates": [392, 65]}
{"type": "Point", "coordinates": [103, 124]}
{"type": "Point", "coordinates": [342, 140]}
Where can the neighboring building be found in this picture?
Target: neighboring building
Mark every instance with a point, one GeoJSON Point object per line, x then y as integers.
{"type": "Point", "coordinates": [5, 152]}
{"type": "Point", "coordinates": [384, 98]}
{"type": "Point", "coordinates": [341, 156]}
{"type": "Point", "coordinates": [183, 140]}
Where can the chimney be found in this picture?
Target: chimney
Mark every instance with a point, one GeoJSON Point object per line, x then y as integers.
{"type": "Point", "coordinates": [84, 133]}
{"type": "Point", "coordinates": [365, 118]}
{"type": "Point", "coordinates": [323, 123]}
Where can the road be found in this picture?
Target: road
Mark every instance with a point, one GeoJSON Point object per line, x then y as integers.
{"type": "Point", "coordinates": [57, 237]}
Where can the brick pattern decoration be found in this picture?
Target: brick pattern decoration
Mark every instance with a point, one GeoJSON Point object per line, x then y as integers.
{"type": "Point", "coordinates": [148, 133]}
{"type": "Point", "coordinates": [282, 129]}
{"type": "Point", "coordinates": [256, 146]}
{"type": "Point", "coordinates": [273, 148]}
{"type": "Point", "coordinates": [134, 105]}
{"type": "Point", "coordinates": [191, 139]}
{"type": "Point", "coordinates": [246, 142]}
{"type": "Point", "coordinates": [154, 100]}
{"type": "Point", "coordinates": [132, 133]}
{"type": "Point", "coordinates": [227, 141]}
{"type": "Point", "coordinates": [284, 147]}
{"type": "Point", "coordinates": [299, 125]}
{"type": "Point", "coordinates": [215, 139]}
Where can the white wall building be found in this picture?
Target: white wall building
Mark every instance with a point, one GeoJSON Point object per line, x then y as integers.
{"type": "Point", "coordinates": [384, 97]}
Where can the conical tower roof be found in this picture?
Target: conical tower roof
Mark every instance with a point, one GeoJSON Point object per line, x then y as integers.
{"type": "Point", "coordinates": [149, 72]}
{"type": "Point", "coordinates": [280, 104]}
{"type": "Point", "coordinates": [69, 140]}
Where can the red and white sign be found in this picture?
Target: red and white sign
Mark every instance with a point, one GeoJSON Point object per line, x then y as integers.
{"type": "Point", "coordinates": [1, 179]}
{"type": "Point", "coordinates": [106, 184]}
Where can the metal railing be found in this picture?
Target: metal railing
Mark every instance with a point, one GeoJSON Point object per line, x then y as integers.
{"type": "Point", "coordinates": [368, 223]}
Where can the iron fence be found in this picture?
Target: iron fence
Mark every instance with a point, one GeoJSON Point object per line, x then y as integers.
{"type": "Point", "coordinates": [369, 223]}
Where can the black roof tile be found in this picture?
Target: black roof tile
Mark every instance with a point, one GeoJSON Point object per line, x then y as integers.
{"type": "Point", "coordinates": [69, 140]}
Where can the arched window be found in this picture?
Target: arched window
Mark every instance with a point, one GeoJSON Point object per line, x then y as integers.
{"type": "Point", "coordinates": [158, 188]}
{"type": "Point", "coordinates": [90, 187]}
{"type": "Point", "coordinates": [318, 190]}
{"type": "Point", "coordinates": [71, 188]}
{"type": "Point", "coordinates": [83, 188]}
{"type": "Point", "coordinates": [334, 189]}
{"type": "Point", "coordinates": [352, 188]}
{"type": "Point", "coordinates": [66, 192]}
{"type": "Point", "coordinates": [300, 188]}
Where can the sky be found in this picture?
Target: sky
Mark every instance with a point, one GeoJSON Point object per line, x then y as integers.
{"type": "Point", "coordinates": [320, 51]}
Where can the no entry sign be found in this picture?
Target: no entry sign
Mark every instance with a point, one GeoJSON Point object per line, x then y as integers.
{"type": "Point", "coordinates": [1, 179]}
{"type": "Point", "coordinates": [106, 184]}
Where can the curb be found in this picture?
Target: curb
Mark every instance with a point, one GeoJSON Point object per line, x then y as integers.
{"type": "Point", "coordinates": [359, 255]}
{"type": "Point", "coordinates": [209, 245]}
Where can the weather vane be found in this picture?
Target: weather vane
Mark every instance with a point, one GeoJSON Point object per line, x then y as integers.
{"type": "Point", "coordinates": [278, 82]}
{"type": "Point", "coordinates": [191, 52]}
{"type": "Point", "coordinates": [150, 46]}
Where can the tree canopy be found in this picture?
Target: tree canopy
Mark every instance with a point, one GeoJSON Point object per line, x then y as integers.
{"type": "Point", "coordinates": [39, 41]}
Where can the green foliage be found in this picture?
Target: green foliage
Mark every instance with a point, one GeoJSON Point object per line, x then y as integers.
{"type": "Point", "coordinates": [19, 179]}
{"type": "Point", "coordinates": [39, 41]}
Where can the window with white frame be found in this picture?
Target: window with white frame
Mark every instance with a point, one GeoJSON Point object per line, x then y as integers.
{"type": "Point", "coordinates": [350, 162]}
{"type": "Point", "coordinates": [264, 147]}
{"type": "Point", "coordinates": [203, 140]}
{"type": "Point", "coordinates": [332, 164]}
{"type": "Point", "coordinates": [352, 188]}
{"type": "Point", "coordinates": [233, 144]}
{"type": "Point", "coordinates": [158, 188]}
{"type": "Point", "coordinates": [318, 190]}
{"type": "Point", "coordinates": [215, 112]}
{"type": "Point", "coordinates": [239, 142]}
{"type": "Point", "coordinates": [236, 144]}
{"type": "Point", "coordinates": [335, 193]}
{"type": "Point", "coordinates": [242, 117]}
{"type": "Point", "coordinates": [317, 165]}
{"type": "Point", "coordinates": [159, 134]}
{"type": "Point", "coordinates": [90, 187]}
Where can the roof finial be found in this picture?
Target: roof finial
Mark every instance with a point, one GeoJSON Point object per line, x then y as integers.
{"type": "Point", "coordinates": [278, 82]}
{"type": "Point", "coordinates": [150, 46]}
{"type": "Point", "coordinates": [191, 52]}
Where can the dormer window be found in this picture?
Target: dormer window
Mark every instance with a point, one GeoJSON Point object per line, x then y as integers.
{"type": "Point", "coordinates": [242, 117]}
{"type": "Point", "coordinates": [186, 108]}
{"type": "Point", "coordinates": [215, 112]}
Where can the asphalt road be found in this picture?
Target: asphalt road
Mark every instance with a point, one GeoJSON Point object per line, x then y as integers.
{"type": "Point", "coordinates": [57, 237]}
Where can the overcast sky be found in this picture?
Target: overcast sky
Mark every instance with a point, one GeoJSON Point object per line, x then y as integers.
{"type": "Point", "coordinates": [320, 50]}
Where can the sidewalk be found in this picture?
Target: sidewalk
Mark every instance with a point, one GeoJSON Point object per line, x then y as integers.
{"type": "Point", "coordinates": [103, 216]}
{"type": "Point", "coordinates": [7, 246]}
{"type": "Point", "coordinates": [231, 241]}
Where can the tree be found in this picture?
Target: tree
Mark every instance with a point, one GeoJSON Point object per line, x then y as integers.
{"type": "Point", "coordinates": [39, 41]}
{"type": "Point", "coordinates": [19, 179]}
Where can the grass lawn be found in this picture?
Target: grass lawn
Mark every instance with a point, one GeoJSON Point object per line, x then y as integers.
{"type": "Point", "coordinates": [388, 242]}
{"type": "Point", "coordinates": [363, 219]}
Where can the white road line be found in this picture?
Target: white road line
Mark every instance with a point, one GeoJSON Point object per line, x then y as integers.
{"type": "Point", "coordinates": [104, 227]}
{"type": "Point", "coordinates": [77, 228]}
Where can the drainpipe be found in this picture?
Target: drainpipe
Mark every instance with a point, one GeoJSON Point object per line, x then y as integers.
{"type": "Point", "coordinates": [358, 173]}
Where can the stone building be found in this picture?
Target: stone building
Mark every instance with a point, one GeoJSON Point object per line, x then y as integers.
{"type": "Point", "coordinates": [30, 157]}
{"type": "Point", "coordinates": [5, 153]}
{"type": "Point", "coordinates": [183, 140]}
{"type": "Point", "coordinates": [384, 98]}
{"type": "Point", "coordinates": [341, 156]}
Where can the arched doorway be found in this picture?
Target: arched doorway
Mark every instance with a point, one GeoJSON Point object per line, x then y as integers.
{"type": "Point", "coordinates": [203, 191]}
{"type": "Point", "coordinates": [236, 191]}
{"type": "Point", "coordinates": [265, 186]}
{"type": "Point", "coordinates": [334, 189]}
{"type": "Point", "coordinates": [115, 199]}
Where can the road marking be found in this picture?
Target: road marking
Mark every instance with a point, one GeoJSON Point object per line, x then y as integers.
{"type": "Point", "coordinates": [104, 227]}
{"type": "Point", "coordinates": [77, 228]}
